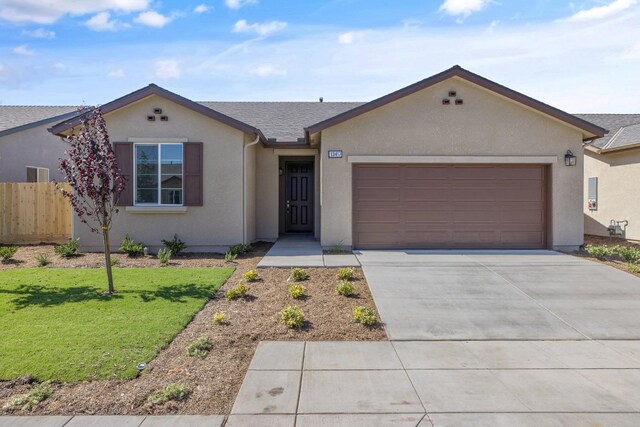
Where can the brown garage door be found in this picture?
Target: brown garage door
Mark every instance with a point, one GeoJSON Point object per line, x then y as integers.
{"type": "Point", "coordinates": [449, 206]}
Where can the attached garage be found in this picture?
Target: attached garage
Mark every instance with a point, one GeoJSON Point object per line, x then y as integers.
{"type": "Point", "coordinates": [450, 206]}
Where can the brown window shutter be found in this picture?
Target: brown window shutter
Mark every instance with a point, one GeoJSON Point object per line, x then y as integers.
{"type": "Point", "coordinates": [124, 157]}
{"type": "Point", "coordinates": [193, 168]}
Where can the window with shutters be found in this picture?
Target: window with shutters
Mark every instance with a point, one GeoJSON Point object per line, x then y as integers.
{"type": "Point", "coordinates": [158, 174]}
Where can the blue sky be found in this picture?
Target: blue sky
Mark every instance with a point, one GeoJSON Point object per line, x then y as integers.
{"type": "Point", "coordinates": [581, 56]}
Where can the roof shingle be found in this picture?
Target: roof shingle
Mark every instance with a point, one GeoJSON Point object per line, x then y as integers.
{"type": "Point", "coordinates": [622, 129]}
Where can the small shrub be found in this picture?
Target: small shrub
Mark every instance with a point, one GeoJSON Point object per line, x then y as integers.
{"type": "Point", "coordinates": [292, 317]}
{"type": "Point", "coordinates": [345, 288]}
{"type": "Point", "coordinates": [600, 251]}
{"type": "Point", "coordinates": [7, 252]}
{"type": "Point", "coordinates": [229, 257]}
{"type": "Point", "coordinates": [298, 275]}
{"type": "Point", "coordinates": [175, 392]}
{"type": "Point", "coordinates": [629, 254]}
{"type": "Point", "coordinates": [200, 347]}
{"type": "Point", "coordinates": [633, 268]}
{"type": "Point", "coordinates": [296, 291]}
{"type": "Point", "coordinates": [238, 292]}
{"type": "Point", "coordinates": [42, 260]}
{"type": "Point", "coordinates": [219, 317]}
{"type": "Point", "coordinates": [114, 261]}
{"type": "Point", "coordinates": [175, 245]}
{"type": "Point", "coordinates": [30, 400]}
{"type": "Point", "coordinates": [251, 276]}
{"type": "Point", "coordinates": [239, 249]}
{"type": "Point", "coordinates": [164, 255]}
{"type": "Point", "coordinates": [346, 274]}
{"type": "Point", "coordinates": [130, 247]}
{"type": "Point", "coordinates": [364, 315]}
{"type": "Point", "coordinates": [69, 249]}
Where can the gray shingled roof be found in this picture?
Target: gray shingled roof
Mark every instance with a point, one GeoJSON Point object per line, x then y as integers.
{"type": "Point", "coordinates": [284, 121]}
{"type": "Point", "coordinates": [12, 116]}
{"type": "Point", "coordinates": [623, 129]}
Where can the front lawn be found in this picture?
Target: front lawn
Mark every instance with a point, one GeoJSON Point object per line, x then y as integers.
{"type": "Point", "coordinates": [56, 324]}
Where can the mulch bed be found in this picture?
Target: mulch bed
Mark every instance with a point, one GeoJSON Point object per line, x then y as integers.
{"type": "Point", "coordinates": [215, 380]}
{"type": "Point", "coordinates": [618, 263]}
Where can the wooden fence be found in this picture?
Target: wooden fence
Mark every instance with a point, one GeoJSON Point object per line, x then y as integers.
{"type": "Point", "coordinates": [33, 213]}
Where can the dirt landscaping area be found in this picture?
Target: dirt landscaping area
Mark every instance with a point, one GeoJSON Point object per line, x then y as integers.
{"type": "Point", "coordinates": [214, 380]}
{"type": "Point", "coordinates": [615, 262]}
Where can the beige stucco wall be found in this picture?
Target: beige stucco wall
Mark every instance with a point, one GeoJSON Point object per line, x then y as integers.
{"type": "Point", "coordinates": [31, 147]}
{"type": "Point", "coordinates": [215, 225]}
{"type": "Point", "coordinates": [618, 199]}
{"type": "Point", "coordinates": [486, 125]}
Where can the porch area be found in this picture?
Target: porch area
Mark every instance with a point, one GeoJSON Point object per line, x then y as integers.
{"type": "Point", "coordinates": [303, 251]}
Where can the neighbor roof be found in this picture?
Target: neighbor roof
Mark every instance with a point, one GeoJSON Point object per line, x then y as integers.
{"type": "Point", "coordinates": [590, 130]}
{"type": "Point", "coordinates": [19, 116]}
{"type": "Point", "coordinates": [624, 130]}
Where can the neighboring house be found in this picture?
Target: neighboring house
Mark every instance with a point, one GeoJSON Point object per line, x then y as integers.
{"type": "Point", "coordinates": [28, 153]}
{"type": "Point", "coordinates": [612, 176]}
{"type": "Point", "coordinates": [453, 161]}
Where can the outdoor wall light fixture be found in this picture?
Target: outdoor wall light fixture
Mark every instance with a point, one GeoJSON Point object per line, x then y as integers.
{"type": "Point", "coordinates": [570, 159]}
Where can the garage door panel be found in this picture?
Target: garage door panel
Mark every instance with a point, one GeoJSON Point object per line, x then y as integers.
{"type": "Point", "coordinates": [449, 206]}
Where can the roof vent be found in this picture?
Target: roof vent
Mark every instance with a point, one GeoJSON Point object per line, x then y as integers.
{"type": "Point", "coordinates": [321, 99]}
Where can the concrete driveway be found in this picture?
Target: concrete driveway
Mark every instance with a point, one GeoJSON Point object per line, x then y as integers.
{"type": "Point", "coordinates": [534, 295]}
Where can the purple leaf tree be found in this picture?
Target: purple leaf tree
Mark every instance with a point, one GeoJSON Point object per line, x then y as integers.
{"type": "Point", "coordinates": [96, 183]}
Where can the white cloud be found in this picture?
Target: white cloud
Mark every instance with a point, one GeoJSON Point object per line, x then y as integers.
{"type": "Point", "coordinates": [166, 69]}
{"type": "Point", "coordinates": [118, 73]}
{"type": "Point", "coordinates": [201, 8]}
{"type": "Point", "coordinates": [463, 8]}
{"type": "Point", "coordinates": [47, 12]}
{"type": "Point", "coordinates": [23, 50]}
{"type": "Point", "coordinates": [350, 37]}
{"type": "Point", "coordinates": [39, 33]}
{"type": "Point", "coordinates": [152, 18]}
{"type": "Point", "coordinates": [59, 66]}
{"type": "Point", "coordinates": [237, 4]}
{"type": "Point", "coordinates": [262, 29]}
{"type": "Point", "coordinates": [268, 70]}
{"type": "Point", "coordinates": [103, 22]}
{"type": "Point", "coordinates": [600, 12]}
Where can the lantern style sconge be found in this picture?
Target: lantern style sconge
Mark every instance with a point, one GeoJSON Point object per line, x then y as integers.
{"type": "Point", "coordinates": [570, 159]}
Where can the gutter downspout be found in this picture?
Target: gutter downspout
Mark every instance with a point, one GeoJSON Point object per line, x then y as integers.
{"type": "Point", "coordinates": [244, 187]}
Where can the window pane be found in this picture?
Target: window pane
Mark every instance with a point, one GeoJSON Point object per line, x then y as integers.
{"type": "Point", "coordinates": [43, 175]}
{"type": "Point", "coordinates": [32, 175]}
{"type": "Point", "coordinates": [171, 175]}
{"type": "Point", "coordinates": [146, 174]}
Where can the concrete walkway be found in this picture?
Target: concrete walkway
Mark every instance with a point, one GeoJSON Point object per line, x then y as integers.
{"type": "Point", "coordinates": [303, 251]}
{"type": "Point", "coordinates": [114, 421]}
{"type": "Point", "coordinates": [450, 383]}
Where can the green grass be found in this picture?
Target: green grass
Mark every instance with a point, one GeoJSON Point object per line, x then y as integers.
{"type": "Point", "coordinates": [55, 324]}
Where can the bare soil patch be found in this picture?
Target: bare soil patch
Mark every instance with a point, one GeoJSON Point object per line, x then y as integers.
{"type": "Point", "coordinates": [614, 262]}
{"type": "Point", "coordinates": [215, 380]}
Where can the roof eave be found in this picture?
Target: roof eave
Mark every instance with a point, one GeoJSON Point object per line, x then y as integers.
{"type": "Point", "coordinates": [153, 89]}
{"type": "Point", "coordinates": [37, 123]}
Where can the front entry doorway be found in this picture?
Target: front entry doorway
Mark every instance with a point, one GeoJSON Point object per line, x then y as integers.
{"type": "Point", "coordinates": [298, 197]}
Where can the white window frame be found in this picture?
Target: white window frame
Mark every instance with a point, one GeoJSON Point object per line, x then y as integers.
{"type": "Point", "coordinates": [135, 172]}
{"type": "Point", "coordinates": [38, 169]}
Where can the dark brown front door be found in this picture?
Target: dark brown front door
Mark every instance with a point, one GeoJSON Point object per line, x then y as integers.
{"type": "Point", "coordinates": [450, 206]}
{"type": "Point", "coordinates": [298, 197]}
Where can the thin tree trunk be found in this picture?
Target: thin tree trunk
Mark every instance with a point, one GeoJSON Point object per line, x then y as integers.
{"type": "Point", "coordinates": [107, 258]}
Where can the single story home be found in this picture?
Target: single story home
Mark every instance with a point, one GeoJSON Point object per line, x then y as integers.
{"type": "Point", "coordinates": [612, 177]}
{"type": "Point", "coordinates": [452, 161]}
